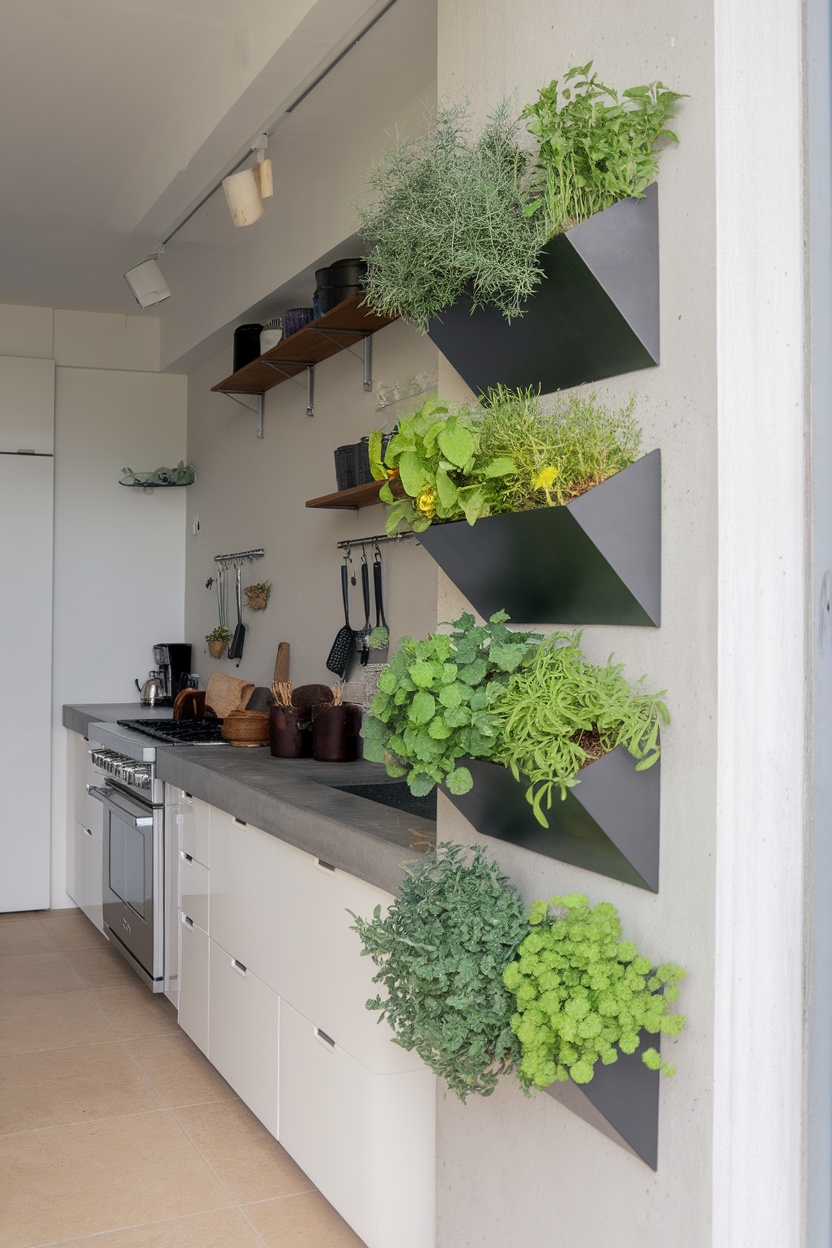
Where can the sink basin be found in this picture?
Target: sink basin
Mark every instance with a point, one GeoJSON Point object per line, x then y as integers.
{"type": "Point", "coordinates": [397, 795]}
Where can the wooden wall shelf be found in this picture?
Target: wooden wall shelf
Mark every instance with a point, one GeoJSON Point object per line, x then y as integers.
{"type": "Point", "coordinates": [357, 496]}
{"type": "Point", "coordinates": [341, 328]}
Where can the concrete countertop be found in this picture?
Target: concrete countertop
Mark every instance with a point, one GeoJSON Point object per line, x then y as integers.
{"type": "Point", "coordinates": [289, 798]}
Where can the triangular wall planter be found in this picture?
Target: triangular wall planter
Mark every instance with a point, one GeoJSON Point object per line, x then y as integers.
{"type": "Point", "coordinates": [596, 560]}
{"type": "Point", "coordinates": [609, 823]}
{"type": "Point", "coordinates": [595, 313]}
{"type": "Point", "coordinates": [621, 1100]}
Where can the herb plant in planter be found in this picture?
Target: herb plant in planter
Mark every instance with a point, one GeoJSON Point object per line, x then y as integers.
{"type": "Point", "coordinates": [441, 950]}
{"type": "Point", "coordinates": [567, 518]}
{"type": "Point", "coordinates": [583, 994]}
{"type": "Point", "coordinates": [460, 225]}
{"type": "Point", "coordinates": [435, 700]}
{"type": "Point", "coordinates": [218, 639]}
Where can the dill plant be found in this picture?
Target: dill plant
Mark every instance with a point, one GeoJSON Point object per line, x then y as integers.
{"type": "Point", "coordinates": [557, 455]}
{"type": "Point", "coordinates": [441, 949]}
{"type": "Point", "coordinates": [448, 217]}
{"type": "Point", "coordinates": [552, 706]}
{"type": "Point", "coordinates": [583, 994]}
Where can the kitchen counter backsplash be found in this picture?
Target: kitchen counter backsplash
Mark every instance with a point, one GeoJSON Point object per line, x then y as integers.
{"type": "Point", "coordinates": [293, 799]}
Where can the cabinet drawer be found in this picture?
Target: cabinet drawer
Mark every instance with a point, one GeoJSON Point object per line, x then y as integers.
{"type": "Point", "coordinates": [366, 1141]}
{"type": "Point", "coordinates": [328, 979]}
{"type": "Point", "coordinates": [193, 889]}
{"type": "Point", "coordinates": [243, 1034]}
{"type": "Point", "coordinates": [84, 872]}
{"type": "Point", "coordinates": [254, 881]}
{"type": "Point", "coordinates": [193, 981]}
{"type": "Point", "coordinates": [193, 821]}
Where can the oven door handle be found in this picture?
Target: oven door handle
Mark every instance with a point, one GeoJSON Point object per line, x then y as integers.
{"type": "Point", "coordinates": [126, 809]}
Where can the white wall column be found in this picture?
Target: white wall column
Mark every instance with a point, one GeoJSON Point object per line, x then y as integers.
{"type": "Point", "coordinates": [763, 732]}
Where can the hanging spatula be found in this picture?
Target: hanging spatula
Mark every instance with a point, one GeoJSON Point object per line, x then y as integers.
{"type": "Point", "coordinates": [344, 641]}
{"type": "Point", "coordinates": [235, 650]}
{"type": "Point", "coordinates": [379, 639]}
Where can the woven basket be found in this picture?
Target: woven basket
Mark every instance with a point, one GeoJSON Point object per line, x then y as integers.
{"type": "Point", "coordinates": [246, 728]}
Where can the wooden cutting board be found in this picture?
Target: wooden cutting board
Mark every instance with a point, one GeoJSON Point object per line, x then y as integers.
{"type": "Point", "coordinates": [281, 664]}
{"type": "Point", "coordinates": [224, 694]}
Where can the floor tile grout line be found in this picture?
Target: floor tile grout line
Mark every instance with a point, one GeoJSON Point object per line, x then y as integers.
{"type": "Point", "coordinates": [131, 1226]}
{"type": "Point", "coordinates": [83, 1122]}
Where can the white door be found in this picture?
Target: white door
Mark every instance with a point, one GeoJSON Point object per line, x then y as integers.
{"type": "Point", "coordinates": [26, 647]}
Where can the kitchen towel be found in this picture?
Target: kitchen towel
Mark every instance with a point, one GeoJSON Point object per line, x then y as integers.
{"type": "Point", "coordinates": [227, 693]}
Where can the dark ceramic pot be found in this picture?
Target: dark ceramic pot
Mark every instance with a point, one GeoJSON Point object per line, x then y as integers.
{"type": "Point", "coordinates": [335, 733]}
{"type": "Point", "coordinates": [290, 732]}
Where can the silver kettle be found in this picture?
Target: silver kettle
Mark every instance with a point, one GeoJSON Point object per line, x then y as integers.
{"type": "Point", "coordinates": [152, 691]}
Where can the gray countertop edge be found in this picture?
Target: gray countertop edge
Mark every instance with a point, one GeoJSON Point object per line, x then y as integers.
{"type": "Point", "coordinates": [288, 798]}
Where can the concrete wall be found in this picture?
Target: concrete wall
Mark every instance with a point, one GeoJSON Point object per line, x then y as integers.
{"type": "Point", "coordinates": [513, 1170]}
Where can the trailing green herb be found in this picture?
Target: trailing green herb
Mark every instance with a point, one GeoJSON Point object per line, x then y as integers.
{"type": "Point", "coordinates": [551, 713]}
{"type": "Point", "coordinates": [594, 149]}
{"type": "Point", "coordinates": [448, 217]}
{"type": "Point", "coordinates": [441, 949]}
{"type": "Point", "coordinates": [436, 699]}
{"type": "Point", "coordinates": [583, 994]}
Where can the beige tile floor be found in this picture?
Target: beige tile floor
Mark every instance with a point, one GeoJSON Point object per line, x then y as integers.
{"type": "Point", "coordinates": [115, 1131]}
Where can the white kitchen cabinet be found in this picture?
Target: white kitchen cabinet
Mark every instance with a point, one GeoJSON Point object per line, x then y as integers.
{"type": "Point", "coordinates": [26, 509]}
{"type": "Point", "coordinates": [367, 1141]}
{"type": "Point", "coordinates": [193, 983]}
{"type": "Point", "coordinates": [194, 826]}
{"type": "Point", "coordinates": [243, 1033]}
{"type": "Point", "coordinates": [85, 832]}
{"type": "Point", "coordinates": [27, 405]}
{"type": "Point", "coordinates": [285, 915]}
{"type": "Point", "coordinates": [193, 888]}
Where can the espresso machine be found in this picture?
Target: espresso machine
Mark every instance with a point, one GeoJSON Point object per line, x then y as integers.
{"type": "Point", "coordinates": [173, 660]}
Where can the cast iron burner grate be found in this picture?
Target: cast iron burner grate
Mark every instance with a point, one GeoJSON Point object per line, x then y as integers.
{"type": "Point", "coordinates": [178, 732]}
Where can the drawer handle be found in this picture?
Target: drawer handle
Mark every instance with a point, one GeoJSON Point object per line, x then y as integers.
{"type": "Point", "coordinates": [188, 796]}
{"type": "Point", "coordinates": [239, 967]}
{"type": "Point", "coordinates": [326, 867]}
{"type": "Point", "coordinates": [87, 831]}
{"type": "Point", "coordinates": [325, 1040]}
{"type": "Point", "coordinates": [185, 857]}
{"type": "Point", "coordinates": [186, 922]}
{"type": "Point", "coordinates": [240, 823]}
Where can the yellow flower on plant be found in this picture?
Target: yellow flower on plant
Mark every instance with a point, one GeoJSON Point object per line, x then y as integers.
{"type": "Point", "coordinates": [544, 480]}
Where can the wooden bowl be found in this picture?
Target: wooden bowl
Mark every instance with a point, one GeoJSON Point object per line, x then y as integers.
{"type": "Point", "coordinates": [246, 728]}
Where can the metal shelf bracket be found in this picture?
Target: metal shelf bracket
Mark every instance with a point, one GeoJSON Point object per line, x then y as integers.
{"type": "Point", "coordinates": [310, 379]}
{"type": "Point", "coordinates": [366, 357]}
{"type": "Point", "coordinates": [258, 410]}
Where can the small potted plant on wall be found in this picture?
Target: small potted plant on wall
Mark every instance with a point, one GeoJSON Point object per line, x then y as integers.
{"type": "Point", "coordinates": [463, 225]}
{"type": "Point", "coordinates": [258, 595]}
{"type": "Point", "coordinates": [218, 640]}
{"type": "Point", "coordinates": [532, 742]}
{"type": "Point", "coordinates": [546, 512]}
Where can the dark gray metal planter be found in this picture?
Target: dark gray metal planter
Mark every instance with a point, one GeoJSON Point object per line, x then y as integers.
{"type": "Point", "coordinates": [595, 313]}
{"type": "Point", "coordinates": [621, 1100]}
{"type": "Point", "coordinates": [596, 560]}
{"type": "Point", "coordinates": [609, 823]}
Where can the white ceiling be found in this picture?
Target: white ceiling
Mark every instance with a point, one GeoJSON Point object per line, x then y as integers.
{"type": "Point", "coordinates": [118, 115]}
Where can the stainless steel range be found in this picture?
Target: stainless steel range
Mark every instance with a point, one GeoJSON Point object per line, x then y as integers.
{"type": "Point", "coordinates": [134, 850]}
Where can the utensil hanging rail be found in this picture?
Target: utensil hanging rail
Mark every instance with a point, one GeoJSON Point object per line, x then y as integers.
{"type": "Point", "coordinates": [240, 554]}
{"type": "Point", "coordinates": [348, 543]}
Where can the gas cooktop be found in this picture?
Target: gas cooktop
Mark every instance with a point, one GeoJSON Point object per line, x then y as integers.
{"type": "Point", "coordinates": [178, 732]}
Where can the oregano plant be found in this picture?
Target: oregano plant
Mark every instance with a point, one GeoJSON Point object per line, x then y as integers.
{"type": "Point", "coordinates": [441, 949]}
{"type": "Point", "coordinates": [583, 994]}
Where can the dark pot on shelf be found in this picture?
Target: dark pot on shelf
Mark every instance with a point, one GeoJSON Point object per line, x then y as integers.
{"type": "Point", "coordinates": [290, 732]}
{"type": "Point", "coordinates": [246, 345]}
{"type": "Point", "coordinates": [335, 733]}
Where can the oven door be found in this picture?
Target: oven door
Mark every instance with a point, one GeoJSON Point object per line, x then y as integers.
{"type": "Point", "coordinates": [133, 881]}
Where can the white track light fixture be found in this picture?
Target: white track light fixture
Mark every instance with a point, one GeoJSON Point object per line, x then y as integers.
{"type": "Point", "coordinates": [146, 281]}
{"type": "Point", "coordinates": [246, 189]}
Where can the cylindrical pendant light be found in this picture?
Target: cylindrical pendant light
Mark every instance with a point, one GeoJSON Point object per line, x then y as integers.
{"type": "Point", "coordinates": [244, 202]}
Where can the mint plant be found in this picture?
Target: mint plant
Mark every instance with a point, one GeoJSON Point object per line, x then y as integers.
{"type": "Point", "coordinates": [441, 949]}
{"type": "Point", "coordinates": [436, 702]}
{"type": "Point", "coordinates": [593, 148]}
{"type": "Point", "coordinates": [559, 711]}
{"type": "Point", "coordinates": [583, 994]}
